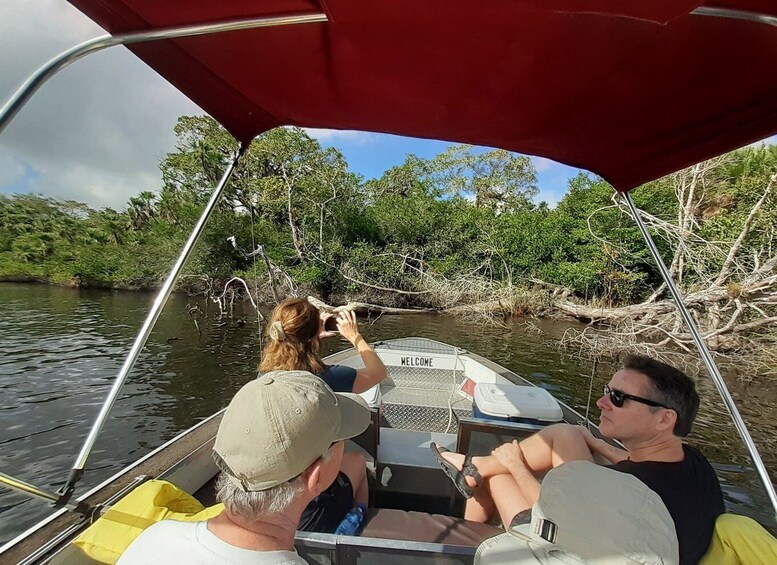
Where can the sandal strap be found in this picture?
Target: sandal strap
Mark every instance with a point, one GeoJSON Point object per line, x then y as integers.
{"type": "Point", "coordinates": [458, 477]}
{"type": "Point", "coordinates": [469, 469]}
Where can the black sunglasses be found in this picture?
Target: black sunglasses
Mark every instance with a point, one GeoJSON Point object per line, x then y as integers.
{"type": "Point", "coordinates": [618, 397]}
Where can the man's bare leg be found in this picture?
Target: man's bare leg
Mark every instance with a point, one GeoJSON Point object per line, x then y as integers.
{"type": "Point", "coordinates": [499, 493]}
{"type": "Point", "coordinates": [481, 506]}
{"type": "Point", "coordinates": [548, 448]}
{"type": "Point", "coordinates": [553, 446]}
{"type": "Point", "coordinates": [355, 468]}
{"type": "Point", "coordinates": [508, 497]}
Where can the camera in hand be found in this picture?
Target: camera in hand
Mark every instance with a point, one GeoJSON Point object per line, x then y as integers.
{"type": "Point", "coordinates": [330, 325]}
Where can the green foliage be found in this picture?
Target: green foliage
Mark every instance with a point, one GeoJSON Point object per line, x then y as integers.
{"type": "Point", "coordinates": [496, 179]}
{"type": "Point", "coordinates": [462, 213]}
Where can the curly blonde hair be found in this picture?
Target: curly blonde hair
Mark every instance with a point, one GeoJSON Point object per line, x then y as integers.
{"type": "Point", "coordinates": [296, 347]}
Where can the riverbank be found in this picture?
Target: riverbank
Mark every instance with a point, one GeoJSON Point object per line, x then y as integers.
{"type": "Point", "coordinates": [75, 283]}
{"type": "Point", "coordinates": [609, 332]}
{"type": "Point", "coordinates": [416, 239]}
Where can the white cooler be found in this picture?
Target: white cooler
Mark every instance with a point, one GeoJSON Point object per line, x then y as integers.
{"type": "Point", "coordinates": [515, 403]}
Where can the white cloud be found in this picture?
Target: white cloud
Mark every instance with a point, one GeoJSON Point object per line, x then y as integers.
{"type": "Point", "coordinates": [336, 135]}
{"type": "Point", "coordinates": [96, 131]}
{"type": "Point", "coordinates": [551, 196]}
{"type": "Point", "coordinates": [12, 171]}
{"type": "Point", "coordinates": [541, 164]}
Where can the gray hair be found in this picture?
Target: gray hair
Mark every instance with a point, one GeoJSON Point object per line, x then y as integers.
{"type": "Point", "coordinates": [254, 505]}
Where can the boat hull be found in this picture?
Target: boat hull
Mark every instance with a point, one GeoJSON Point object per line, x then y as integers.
{"type": "Point", "coordinates": [418, 403]}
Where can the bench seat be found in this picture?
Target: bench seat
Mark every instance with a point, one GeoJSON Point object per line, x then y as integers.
{"type": "Point", "coordinates": [388, 523]}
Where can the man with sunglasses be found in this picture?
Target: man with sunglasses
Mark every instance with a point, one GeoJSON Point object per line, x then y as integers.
{"type": "Point", "coordinates": [649, 407]}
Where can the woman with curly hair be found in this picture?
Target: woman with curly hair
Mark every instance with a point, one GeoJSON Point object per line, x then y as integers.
{"type": "Point", "coordinates": [293, 343]}
{"type": "Point", "coordinates": [294, 339]}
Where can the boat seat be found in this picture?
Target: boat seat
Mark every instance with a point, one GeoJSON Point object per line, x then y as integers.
{"type": "Point", "coordinates": [105, 540]}
{"type": "Point", "coordinates": [389, 523]}
{"type": "Point", "coordinates": [399, 536]}
{"type": "Point", "coordinates": [479, 436]}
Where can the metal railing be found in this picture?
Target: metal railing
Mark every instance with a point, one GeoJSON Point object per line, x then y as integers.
{"type": "Point", "coordinates": [62, 497]}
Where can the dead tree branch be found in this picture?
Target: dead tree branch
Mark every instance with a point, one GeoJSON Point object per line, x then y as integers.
{"type": "Point", "coordinates": [364, 308]}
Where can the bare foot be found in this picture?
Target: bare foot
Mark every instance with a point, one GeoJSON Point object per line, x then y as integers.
{"type": "Point", "coordinates": [457, 460]}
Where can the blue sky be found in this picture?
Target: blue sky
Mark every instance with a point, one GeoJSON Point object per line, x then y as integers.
{"type": "Point", "coordinates": [371, 154]}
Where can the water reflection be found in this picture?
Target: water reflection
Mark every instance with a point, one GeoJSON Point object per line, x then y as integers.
{"type": "Point", "coordinates": [61, 349]}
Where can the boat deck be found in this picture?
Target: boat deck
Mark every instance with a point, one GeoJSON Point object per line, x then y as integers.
{"type": "Point", "coordinates": [422, 399]}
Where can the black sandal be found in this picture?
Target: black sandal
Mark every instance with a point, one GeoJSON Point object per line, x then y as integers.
{"type": "Point", "coordinates": [458, 477]}
{"type": "Point", "coordinates": [469, 470]}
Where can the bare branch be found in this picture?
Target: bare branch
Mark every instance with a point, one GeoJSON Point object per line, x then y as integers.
{"type": "Point", "coordinates": [220, 299]}
{"type": "Point", "coordinates": [753, 325]}
{"type": "Point", "coordinates": [364, 308]}
{"type": "Point", "coordinates": [368, 285]}
{"type": "Point", "coordinates": [725, 270]}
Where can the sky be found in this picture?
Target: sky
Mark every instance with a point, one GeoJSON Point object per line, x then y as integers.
{"type": "Point", "coordinates": [97, 131]}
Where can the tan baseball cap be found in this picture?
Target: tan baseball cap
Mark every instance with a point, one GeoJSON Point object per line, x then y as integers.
{"type": "Point", "coordinates": [276, 426]}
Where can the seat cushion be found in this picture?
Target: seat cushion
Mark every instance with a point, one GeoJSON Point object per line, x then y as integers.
{"type": "Point", "coordinates": [388, 523]}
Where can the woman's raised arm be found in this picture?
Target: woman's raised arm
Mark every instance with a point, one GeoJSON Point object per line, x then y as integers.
{"type": "Point", "coordinates": [374, 370]}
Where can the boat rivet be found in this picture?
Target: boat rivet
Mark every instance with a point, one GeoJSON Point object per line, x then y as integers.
{"type": "Point", "coordinates": [248, 430]}
{"type": "Point", "coordinates": [298, 411]}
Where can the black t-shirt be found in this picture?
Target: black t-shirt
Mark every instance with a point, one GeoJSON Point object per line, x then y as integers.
{"type": "Point", "coordinates": [690, 491]}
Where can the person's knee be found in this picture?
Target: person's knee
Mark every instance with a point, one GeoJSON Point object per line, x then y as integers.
{"type": "Point", "coordinates": [558, 429]}
{"type": "Point", "coordinates": [561, 431]}
{"type": "Point", "coordinates": [354, 465]}
{"type": "Point", "coordinates": [355, 468]}
{"type": "Point", "coordinates": [354, 459]}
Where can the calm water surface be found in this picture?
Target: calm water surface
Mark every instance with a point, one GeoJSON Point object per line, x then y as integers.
{"type": "Point", "coordinates": [60, 350]}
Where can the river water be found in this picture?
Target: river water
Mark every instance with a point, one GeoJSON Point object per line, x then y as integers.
{"type": "Point", "coordinates": [61, 348]}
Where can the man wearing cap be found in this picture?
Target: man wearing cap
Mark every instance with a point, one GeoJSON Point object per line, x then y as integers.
{"type": "Point", "coordinates": [279, 445]}
{"type": "Point", "coordinates": [649, 407]}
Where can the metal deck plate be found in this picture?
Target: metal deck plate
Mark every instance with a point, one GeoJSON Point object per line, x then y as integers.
{"type": "Point", "coordinates": [421, 399]}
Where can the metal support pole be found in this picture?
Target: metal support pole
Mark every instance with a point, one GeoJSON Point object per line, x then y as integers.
{"type": "Point", "coordinates": [25, 92]}
{"type": "Point", "coordinates": [148, 325]}
{"type": "Point", "coordinates": [12, 108]}
{"type": "Point", "coordinates": [43, 494]}
{"type": "Point", "coordinates": [706, 356]}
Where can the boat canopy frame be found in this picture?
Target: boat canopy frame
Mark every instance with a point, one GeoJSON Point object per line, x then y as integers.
{"type": "Point", "coordinates": [62, 497]}
{"type": "Point", "coordinates": [23, 94]}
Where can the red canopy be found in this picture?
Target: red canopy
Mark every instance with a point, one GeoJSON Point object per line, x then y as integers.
{"type": "Point", "coordinates": [631, 90]}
